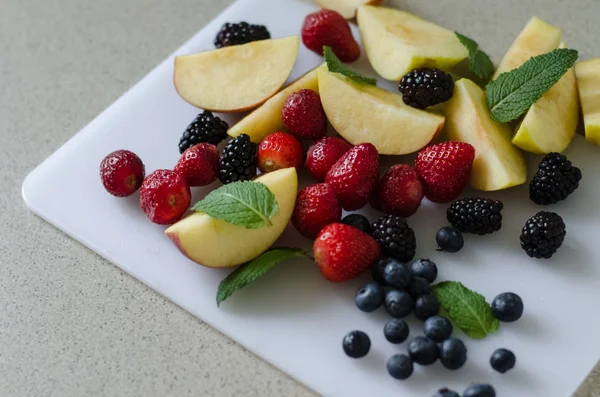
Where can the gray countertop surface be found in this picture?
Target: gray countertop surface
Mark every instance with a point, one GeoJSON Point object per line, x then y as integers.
{"type": "Point", "coordinates": [71, 323]}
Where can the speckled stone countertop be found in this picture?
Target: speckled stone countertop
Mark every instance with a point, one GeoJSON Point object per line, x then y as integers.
{"type": "Point", "coordinates": [72, 324]}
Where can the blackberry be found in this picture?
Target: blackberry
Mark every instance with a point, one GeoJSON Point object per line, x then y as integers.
{"type": "Point", "coordinates": [426, 87]}
{"type": "Point", "coordinates": [396, 238]}
{"type": "Point", "coordinates": [238, 160]}
{"type": "Point", "coordinates": [543, 235]}
{"type": "Point", "coordinates": [554, 181]}
{"type": "Point", "coordinates": [205, 128]}
{"type": "Point", "coordinates": [240, 33]}
{"type": "Point", "coordinates": [476, 215]}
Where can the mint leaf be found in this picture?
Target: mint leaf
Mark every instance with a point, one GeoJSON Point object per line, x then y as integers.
{"type": "Point", "coordinates": [479, 62]}
{"type": "Point", "coordinates": [513, 93]}
{"type": "Point", "coordinates": [248, 204]}
{"type": "Point", "coordinates": [336, 66]}
{"type": "Point", "coordinates": [251, 271]}
{"type": "Point", "coordinates": [467, 309]}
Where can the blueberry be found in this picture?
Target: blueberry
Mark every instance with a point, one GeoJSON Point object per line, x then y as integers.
{"type": "Point", "coordinates": [438, 328]}
{"type": "Point", "coordinates": [377, 272]}
{"type": "Point", "coordinates": [418, 286]}
{"type": "Point", "coordinates": [396, 331]}
{"type": "Point", "coordinates": [426, 306]}
{"type": "Point", "coordinates": [424, 268]}
{"type": "Point", "coordinates": [398, 304]}
{"type": "Point", "coordinates": [445, 392]}
{"type": "Point", "coordinates": [370, 297]}
{"type": "Point", "coordinates": [356, 344]}
{"type": "Point", "coordinates": [453, 353]}
{"type": "Point", "coordinates": [423, 350]}
{"type": "Point", "coordinates": [503, 360]}
{"type": "Point", "coordinates": [396, 274]}
{"type": "Point", "coordinates": [479, 390]}
{"type": "Point", "coordinates": [400, 366]}
{"type": "Point", "coordinates": [449, 239]}
{"type": "Point", "coordinates": [358, 221]}
{"type": "Point", "coordinates": [507, 307]}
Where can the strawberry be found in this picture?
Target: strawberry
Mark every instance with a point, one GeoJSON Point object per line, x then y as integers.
{"type": "Point", "coordinates": [329, 28]}
{"type": "Point", "coordinates": [344, 252]}
{"type": "Point", "coordinates": [303, 115]}
{"type": "Point", "coordinates": [199, 165]}
{"type": "Point", "coordinates": [279, 150]}
{"type": "Point", "coordinates": [165, 196]}
{"type": "Point", "coordinates": [445, 169]}
{"type": "Point", "coordinates": [323, 154]}
{"type": "Point", "coordinates": [122, 173]}
{"type": "Point", "coordinates": [400, 191]}
{"type": "Point", "coordinates": [316, 207]}
{"type": "Point", "coordinates": [355, 175]}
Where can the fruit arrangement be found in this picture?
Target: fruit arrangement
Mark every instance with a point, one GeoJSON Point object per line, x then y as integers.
{"type": "Point", "coordinates": [334, 125]}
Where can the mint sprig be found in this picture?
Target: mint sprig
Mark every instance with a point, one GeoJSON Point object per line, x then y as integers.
{"type": "Point", "coordinates": [479, 62]}
{"type": "Point", "coordinates": [467, 309]}
{"type": "Point", "coordinates": [247, 204]}
{"type": "Point", "coordinates": [513, 93]}
{"type": "Point", "coordinates": [253, 270]}
{"type": "Point", "coordinates": [336, 66]}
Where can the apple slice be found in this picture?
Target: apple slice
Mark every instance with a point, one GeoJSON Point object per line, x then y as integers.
{"type": "Point", "coordinates": [537, 38]}
{"type": "Point", "coordinates": [236, 78]}
{"type": "Point", "coordinates": [366, 114]}
{"type": "Point", "coordinates": [551, 122]}
{"type": "Point", "coordinates": [267, 119]}
{"type": "Point", "coordinates": [214, 243]}
{"type": "Point", "coordinates": [397, 42]}
{"type": "Point", "coordinates": [346, 8]}
{"type": "Point", "coordinates": [588, 80]}
{"type": "Point", "coordinates": [498, 164]}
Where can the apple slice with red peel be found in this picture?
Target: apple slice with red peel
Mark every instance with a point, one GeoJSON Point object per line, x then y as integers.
{"type": "Point", "coordinates": [215, 243]}
{"type": "Point", "coordinates": [236, 78]}
{"type": "Point", "coordinates": [367, 114]}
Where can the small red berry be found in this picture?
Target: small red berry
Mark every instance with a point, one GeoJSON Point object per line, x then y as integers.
{"type": "Point", "coordinates": [323, 154]}
{"type": "Point", "coordinates": [343, 252]}
{"type": "Point", "coordinates": [279, 150]}
{"type": "Point", "coordinates": [165, 196]}
{"type": "Point", "coordinates": [400, 191]}
{"type": "Point", "coordinates": [329, 28]}
{"type": "Point", "coordinates": [303, 115]}
{"type": "Point", "coordinates": [355, 175]}
{"type": "Point", "coordinates": [445, 169]}
{"type": "Point", "coordinates": [316, 207]}
{"type": "Point", "coordinates": [122, 173]}
{"type": "Point", "coordinates": [199, 164]}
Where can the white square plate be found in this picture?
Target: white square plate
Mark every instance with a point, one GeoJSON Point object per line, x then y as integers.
{"type": "Point", "coordinates": [293, 317]}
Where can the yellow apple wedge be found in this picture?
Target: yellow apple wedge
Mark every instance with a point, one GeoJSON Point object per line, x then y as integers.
{"type": "Point", "coordinates": [346, 8]}
{"type": "Point", "coordinates": [537, 38]}
{"type": "Point", "coordinates": [367, 114]}
{"type": "Point", "coordinates": [588, 80]}
{"type": "Point", "coordinates": [397, 42]}
{"type": "Point", "coordinates": [215, 243]}
{"type": "Point", "coordinates": [498, 164]}
{"type": "Point", "coordinates": [550, 124]}
{"type": "Point", "coordinates": [236, 78]}
{"type": "Point", "coordinates": [267, 119]}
